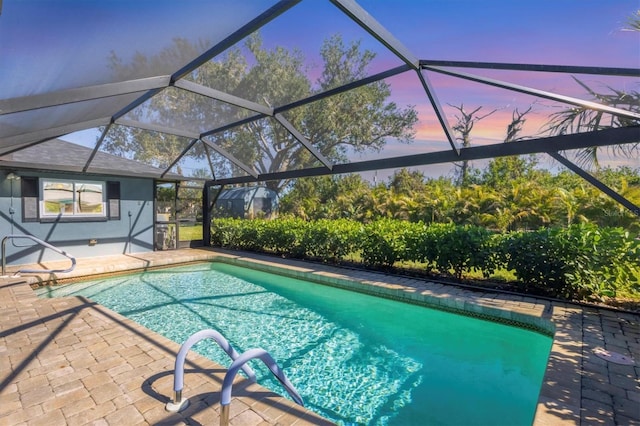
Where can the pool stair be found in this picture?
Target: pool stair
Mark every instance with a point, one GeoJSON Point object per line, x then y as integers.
{"type": "Point", "coordinates": [239, 362]}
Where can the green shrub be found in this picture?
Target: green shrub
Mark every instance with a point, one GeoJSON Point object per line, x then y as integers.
{"type": "Point", "coordinates": [454, 250]}
{"type": "Point", "coordinates": [331, 240]}
{"type": "Point", "coordinates": [534, 258]}
{"type": "Point", "coordinates": [466, 248]}
{"type": "Point", "coordinates": [579, 262]}
{"type": "Point", "coordinates": [424, 243]}
{"type": "Point", "coordinates": [250, 234]}
{"type": "Point", "coordinates": [284, 236]}
{"type": "Point", "coordinates": [225, 232]}
{"type": "Point", "coordinates": [384, 241]}
{"type": "Point", "coordinates": [598, 261]}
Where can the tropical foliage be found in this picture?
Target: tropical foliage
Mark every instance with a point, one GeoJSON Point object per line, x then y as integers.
{"type": "Point", "coordinates": [576, 119]}
{"type": "Point", "coordinates": [509, 194]}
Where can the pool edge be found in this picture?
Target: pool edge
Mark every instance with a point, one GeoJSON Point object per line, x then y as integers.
{"type": "Point", "coordinates": [574, 379]}
{"type": "Point", "coordinates": [458, 304]}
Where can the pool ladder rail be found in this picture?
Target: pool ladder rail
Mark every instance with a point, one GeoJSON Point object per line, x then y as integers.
{"type": "Point", "coordinates": [35, 271]}
{"type": "Point", "coordinates": [239, 362]}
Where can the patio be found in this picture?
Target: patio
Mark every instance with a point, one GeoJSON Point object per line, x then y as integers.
{"type": "Point", "coordinates": [71, 361]}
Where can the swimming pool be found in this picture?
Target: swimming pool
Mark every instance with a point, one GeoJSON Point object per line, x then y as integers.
{"type": "Point", "coordinates": [354, 358]}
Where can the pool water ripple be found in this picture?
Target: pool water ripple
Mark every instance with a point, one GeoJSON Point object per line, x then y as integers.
{"type": "Point", "coordinates": [355, 359]}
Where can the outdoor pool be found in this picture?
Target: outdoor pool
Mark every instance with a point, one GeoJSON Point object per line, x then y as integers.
{"type": "Point", "coordinates": [354, 358]}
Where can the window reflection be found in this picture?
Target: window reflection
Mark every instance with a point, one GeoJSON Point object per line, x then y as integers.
{"type": "Point", "coordinates": [72, 198]}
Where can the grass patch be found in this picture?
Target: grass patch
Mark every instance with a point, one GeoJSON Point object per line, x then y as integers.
{"type": "Point", "coordinates": [190, 232]}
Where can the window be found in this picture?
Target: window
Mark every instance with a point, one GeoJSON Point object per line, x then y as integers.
{"type": "Point", "coordinates": [72, 198]}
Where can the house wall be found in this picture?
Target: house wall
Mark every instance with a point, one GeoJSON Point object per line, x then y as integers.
{"type": "Point", "coordinates": [132, 233]}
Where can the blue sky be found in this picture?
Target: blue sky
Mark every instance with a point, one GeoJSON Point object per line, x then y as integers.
{"type": "Point", "coordinates": [571, 32]}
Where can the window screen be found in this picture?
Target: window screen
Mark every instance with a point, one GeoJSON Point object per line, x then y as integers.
{"type": "Point", "coordinates": [29, 194]}
{"type": "Point", "coordinates": [113, 200]}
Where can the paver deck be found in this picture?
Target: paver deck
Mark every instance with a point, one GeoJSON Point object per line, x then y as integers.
{"type": "Point", "coordinates": [70, 361]}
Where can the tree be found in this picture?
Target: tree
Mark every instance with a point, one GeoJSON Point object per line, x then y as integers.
{"type": "Point", "coordinates": [329, 197]}
{"type": "Point", "coordinates": [354, 198]}
{"type": "Point", "coordinates": [577, 118]}
{"type": "Point", "coordinates": [437, 201]}
{"type": "Point", "coordinates": [405, 182]}
{"type": "Point", "coordinates": [504, 171]}
{"type": "Point", "coordinates": [463, 127]}
{"type": "Point", "coordinates": [171, 108]}
{"type": "Point", "coordinates": [309, 198]}
{"type": "Point", "coordinates": [633, 23]}
{"type": "Point", "coordinates": [355, 121]}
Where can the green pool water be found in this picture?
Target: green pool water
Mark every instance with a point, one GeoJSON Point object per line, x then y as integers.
{"type": "Point", "coordinates": [354, 358]}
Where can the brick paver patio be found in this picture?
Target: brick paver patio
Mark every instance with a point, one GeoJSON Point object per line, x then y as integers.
{"type": "Point", "coordinates": [70, 361]}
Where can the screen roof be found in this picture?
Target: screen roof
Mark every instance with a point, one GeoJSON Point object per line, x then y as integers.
{"type": "Point", "coordinates": [235, 92]}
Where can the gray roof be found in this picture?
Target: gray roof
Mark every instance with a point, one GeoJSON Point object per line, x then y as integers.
{"type": "Point", "coordinates": [59, 155]}
{"type": "Point", "coordinates": [241, 193]}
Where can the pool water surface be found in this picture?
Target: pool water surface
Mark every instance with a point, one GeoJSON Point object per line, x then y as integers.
{"type": "Point", "coordinates": [354, 358]}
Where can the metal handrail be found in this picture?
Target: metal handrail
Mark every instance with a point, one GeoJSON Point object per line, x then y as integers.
{"type": "Point", "coordinates": [227, 384]}
{"type": "Point", "coordinates": [239, 363]}
{"type": "Point", "coordinates": [178, 379]}
{"type": "Point", "coordinates": [42, 243]}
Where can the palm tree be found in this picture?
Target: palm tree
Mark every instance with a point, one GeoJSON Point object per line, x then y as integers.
{"type": "Point", "coordinates": [577, 119]}
{"type": "Point", "coordinates": [634, 21]}
{"type": "Point", "coordinates": [567, 201]}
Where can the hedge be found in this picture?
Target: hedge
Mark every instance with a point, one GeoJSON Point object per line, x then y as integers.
{"type": "Point", "coordinates": [579, 262]}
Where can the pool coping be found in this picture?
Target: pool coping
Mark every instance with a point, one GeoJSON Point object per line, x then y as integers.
{"type": "Point", "coordinates": [578, 387]}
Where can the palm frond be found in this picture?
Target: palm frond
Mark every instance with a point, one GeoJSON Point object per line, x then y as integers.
{"type": "Point", "coordinates": [577, 119]}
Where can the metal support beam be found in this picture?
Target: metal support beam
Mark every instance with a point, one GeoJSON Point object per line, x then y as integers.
{"type": "Point", "coordinates": [133, 105]}
{"type": "Point", "coordinates": [344, 88]}
{"type": "Point", "coordinates": [538, 93]}
{"type": "Point", "coordinates": [250, 27]}
{"type": "Point", "coordinates": [208, 203]}
{"type": "Point", "coordinates": [569, 69]}
{"type": "Point", "coordinates": [179, 157]}
{"type": "Point", "coordinates": [97, 147]}
{"type": "Point", "coordinates": [284, 108]}
{"type": "Point", "coordinates": [213, 201]}
{"type": "Point", "coordinates": [595, 182]}
{"type": "Point", "coordinates": [615, 136]}
{"type": "Point", "coordinates": [442, 117]}
{"type": "Point", "coordinates": [373, 27]}
{"type": "Point", "coordinates": [300, 137]}
{"type": "Point", "coordinates": [218, 95]}
{"type": "Point", "coordinates": [231, 158]}
{"type": "Point", "coordinates": [81, 94]}
{"type": "Point", "coordinates": [233, 125]}
{"type": "Point", "coordinates": [25, 140]}
{"type": "Point", "coordinates": [208, 154]}
{"type": "Point", "coordinates": [157, 128]}
{"type": "Point", "coordinates": [206, 216]}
